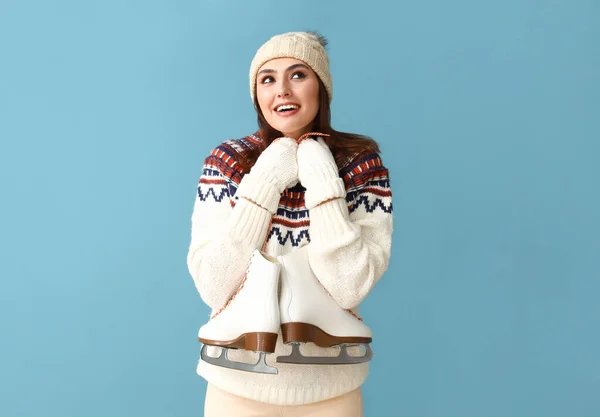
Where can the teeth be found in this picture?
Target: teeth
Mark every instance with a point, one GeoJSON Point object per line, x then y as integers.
{"type": "Point", "coordinates": [287, 107]}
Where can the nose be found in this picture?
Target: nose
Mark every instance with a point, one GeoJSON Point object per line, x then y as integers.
{"type": "Point", "coordinates": [284, 89]}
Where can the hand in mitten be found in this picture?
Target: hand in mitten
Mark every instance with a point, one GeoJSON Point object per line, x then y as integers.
{"type": "Point", "coordinates": [275, 170]}
{"type": "Point", "coordinates": [318, 173]}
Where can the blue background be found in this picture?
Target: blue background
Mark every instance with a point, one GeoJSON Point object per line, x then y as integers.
{"type": "Point", "coordinates": [488, 114]}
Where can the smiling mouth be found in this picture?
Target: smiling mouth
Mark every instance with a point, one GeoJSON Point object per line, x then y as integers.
{"type": "Point", "coordinates": [286, 108]}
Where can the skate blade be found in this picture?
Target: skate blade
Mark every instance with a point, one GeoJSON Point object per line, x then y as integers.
{"type": "Point", "coordinates": [223, 361]}
{"type": "Point", "coordinates": [344, 358]}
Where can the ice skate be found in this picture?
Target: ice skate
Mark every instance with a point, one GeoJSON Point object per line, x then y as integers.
{"type": "Point", "coordinates": [310, 314]}
{"type": "Point", "coordinates": [250, 320]}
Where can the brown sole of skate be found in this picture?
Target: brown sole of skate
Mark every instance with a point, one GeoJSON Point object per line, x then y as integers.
{"type": "Point", "coordinates": [257, 341]}
{"type": "Point", "coordinates": [304, 332]}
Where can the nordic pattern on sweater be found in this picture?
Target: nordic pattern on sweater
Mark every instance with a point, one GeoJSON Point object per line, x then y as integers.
{"type": "Point", "coordinates": [365, 177]}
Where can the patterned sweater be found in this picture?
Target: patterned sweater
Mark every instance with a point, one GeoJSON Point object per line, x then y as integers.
{"type": "Point", "coordinates": [350, 243]}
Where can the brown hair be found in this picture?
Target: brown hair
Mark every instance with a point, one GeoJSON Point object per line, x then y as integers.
{"type": "Point", "coordinates": [343, 145]}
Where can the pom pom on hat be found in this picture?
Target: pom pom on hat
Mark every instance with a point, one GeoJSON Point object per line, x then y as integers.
{"type": "Point", "coordinates": [308, 47]}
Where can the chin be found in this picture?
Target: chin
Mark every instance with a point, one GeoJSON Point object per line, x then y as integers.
{"type": "Point", "coordinates": [289, 129]}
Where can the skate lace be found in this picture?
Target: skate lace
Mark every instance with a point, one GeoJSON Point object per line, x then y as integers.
{"type": "Point", "coordinates": [300, 139]}
{"type": "Point", "coordinates": [354, 314]}
{"type": "Point", "coordinates": [309, 134]}
{"type": "Point", "coordinates": [263, 248]}
{"type": "Point", "coordinates": [264, 245]}
{"type": "Point", "coordinates": [237, 292]}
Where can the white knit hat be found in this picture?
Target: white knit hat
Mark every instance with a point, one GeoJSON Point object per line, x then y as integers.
{"type": "Point", "coordinates": [308, 47]}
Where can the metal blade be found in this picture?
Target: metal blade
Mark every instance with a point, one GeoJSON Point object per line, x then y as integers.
{"type": "Point", "coordinates": [344, 358]}
{"type": "Point", "coordinates": [223, 361]}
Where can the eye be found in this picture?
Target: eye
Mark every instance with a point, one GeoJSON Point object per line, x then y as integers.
{"type": "Point", "coordinates": [266, 80]}
{"type": "Point", "coordinates": [298, 75]}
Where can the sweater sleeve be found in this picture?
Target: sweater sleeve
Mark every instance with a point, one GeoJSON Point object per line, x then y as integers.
{"type": "Point", "coordinates": [224, 230]}
{"type": "Point", "coordinates": [351, 239]}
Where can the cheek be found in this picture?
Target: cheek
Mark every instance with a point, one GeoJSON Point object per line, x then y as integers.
{"type": "Point", "coordinates": [262, 99]}
{"type": "Point", "coordinates": [261, 102]}
{"type": "Point", "coordinates": [313, 98]}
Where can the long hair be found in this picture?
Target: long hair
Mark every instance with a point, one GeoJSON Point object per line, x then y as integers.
{"type": "Point", "coordinates": [343, 145]}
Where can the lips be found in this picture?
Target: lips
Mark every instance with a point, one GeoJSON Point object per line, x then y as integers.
{"type": "Point", "coordinates": [286, 107]}
{"type": "Point", "coordinates": [288, 113]}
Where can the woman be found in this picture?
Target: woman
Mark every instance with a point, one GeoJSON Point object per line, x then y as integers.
{"type": "Point", "coordinates": [288, 186]}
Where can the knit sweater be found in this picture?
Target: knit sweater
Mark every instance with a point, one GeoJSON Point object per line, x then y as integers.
{"type": "Point", "coordinates": [350, 242]}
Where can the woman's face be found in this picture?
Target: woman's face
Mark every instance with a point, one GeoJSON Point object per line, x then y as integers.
{"type": "Point", "coordinates": [287, 91]}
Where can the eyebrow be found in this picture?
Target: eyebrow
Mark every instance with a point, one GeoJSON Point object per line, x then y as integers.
{"type": "Point", "coordinates": [290, 68]}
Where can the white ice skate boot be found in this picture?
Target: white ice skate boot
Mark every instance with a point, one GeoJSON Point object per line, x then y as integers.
{"type": "Point", "coordinates": [250, 320]}
{"type": "Point", "coordinates": [310, 314]}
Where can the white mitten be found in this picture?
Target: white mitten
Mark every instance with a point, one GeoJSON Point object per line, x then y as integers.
{"type": "Point", "coordinates": [275, 170]}
{"type": "Point", "coordinates": [318, 173]}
